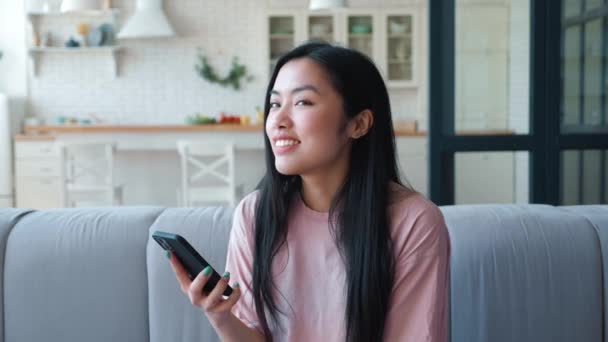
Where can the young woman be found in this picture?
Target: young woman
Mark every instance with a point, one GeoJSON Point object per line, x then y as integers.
{"type": "Point", "coordinates": [332, 246]}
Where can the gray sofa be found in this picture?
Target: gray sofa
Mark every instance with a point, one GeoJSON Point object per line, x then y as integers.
{"type": "Point", "coordinates": [518, 273]}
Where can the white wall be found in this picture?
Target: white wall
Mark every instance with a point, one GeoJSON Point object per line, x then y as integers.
{"type": "Point", "coordinates": [12, 84]}
{"type": "Point", "coordinates": [157, 82]}
{"type": "Point", "coordinates": [13, 64]}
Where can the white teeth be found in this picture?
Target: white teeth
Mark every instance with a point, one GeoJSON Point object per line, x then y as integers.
{"type": "Point", "coordinates": [281, 143]}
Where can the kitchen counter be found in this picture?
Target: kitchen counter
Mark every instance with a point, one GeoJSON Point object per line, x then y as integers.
{"type": "Point", "coordinates": [29, 130]}
{"type": "Point", "coordinates": [401, 129]}
{"type": "Point", "coordinates": [34, 133]}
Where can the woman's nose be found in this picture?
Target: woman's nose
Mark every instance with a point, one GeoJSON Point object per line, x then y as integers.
{"type": "Point", "coordinates": [282, 118]}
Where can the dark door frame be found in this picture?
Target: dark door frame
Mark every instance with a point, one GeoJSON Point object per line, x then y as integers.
{"type": "Point", "coordinates": [544, 143]}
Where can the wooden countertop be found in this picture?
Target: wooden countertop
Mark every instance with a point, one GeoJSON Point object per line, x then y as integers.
{"type": "Point", "coordinates": [140, 128]}
{"type": "Point", "coordinates": [401, 129]}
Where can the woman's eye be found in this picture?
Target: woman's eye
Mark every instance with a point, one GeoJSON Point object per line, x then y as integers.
{"type": "Point", "coordinates": [274, 105]}
{"type": "Point", "coordinates": [303, 102]}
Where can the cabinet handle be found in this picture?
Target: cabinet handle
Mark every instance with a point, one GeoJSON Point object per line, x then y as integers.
{"type": "Point", "coordinates": [46, 169]}
{"type": "Point", "coordinates": [45, 182]}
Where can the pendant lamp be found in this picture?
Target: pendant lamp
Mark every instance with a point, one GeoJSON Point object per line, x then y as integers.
{"type": "Point", "coordinates": [326, 4]}
{"type": "Point", "coordinates": [149, 21]}
{"type": "Point", "coordinates": [80, 5]}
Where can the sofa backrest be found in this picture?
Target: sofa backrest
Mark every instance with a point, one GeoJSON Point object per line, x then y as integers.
{"type": "Point", "coordinates": [524, 273]}
{"type": "Point", "coordinates": [172, 316]}
{"type": "Point", "coordinates": [518, 273]}
{"type": "Point", "coordinates": [78, 275]}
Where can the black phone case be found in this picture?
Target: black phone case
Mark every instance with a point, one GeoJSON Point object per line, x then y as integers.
{"type": "Point", "coordinates": [193, 262]}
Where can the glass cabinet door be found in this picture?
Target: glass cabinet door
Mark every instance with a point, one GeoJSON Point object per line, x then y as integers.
{"type": "Point", "coordinates": [399, 47]}
{"type": "Point", "coordinates": [321, 27]}
{"type": "Point", "coordinates": [360, 34]}
{"type": "Point", "coordinates": [282, 37]}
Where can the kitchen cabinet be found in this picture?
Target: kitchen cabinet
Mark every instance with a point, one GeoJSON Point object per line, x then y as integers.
{"type": "Point", "coordinates": [38, 174]}
{"type": "Point", "coordinates": [387, 36]}
{"type": "Point", "coordinates": [281, 35]}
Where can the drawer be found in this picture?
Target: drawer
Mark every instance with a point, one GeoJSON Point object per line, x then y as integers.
{"type": "Point", "coordinates": [39, 193]}
{"type": "Point", "coordinates": [37, 168]}
{"type": "Point", "coordinates": [36, 149]}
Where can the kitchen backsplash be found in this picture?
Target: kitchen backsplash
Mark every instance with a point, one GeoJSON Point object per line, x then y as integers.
{"type": "Point", "coordinates": [156, 81]}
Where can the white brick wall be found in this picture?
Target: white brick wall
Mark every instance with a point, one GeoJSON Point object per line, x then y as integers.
{"type": "Point", "coordinates": [157, 83]}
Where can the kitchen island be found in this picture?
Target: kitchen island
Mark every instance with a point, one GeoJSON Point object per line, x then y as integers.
{"type": "Point", "coordinates": [147, 163]}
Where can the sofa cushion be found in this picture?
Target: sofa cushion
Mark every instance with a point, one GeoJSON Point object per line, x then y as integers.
{"type": "Point", "coordinates": [172, 316]}
{"type": "Point", "coordinates": [78, 275]}
{"type": "Point", "coordinates": [523, 273]}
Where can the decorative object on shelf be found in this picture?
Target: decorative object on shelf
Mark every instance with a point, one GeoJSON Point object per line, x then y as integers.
{"type": "Point", "coordinates": [46, 39]}
{"type": "Point", "coordinates": [36, 40]}
{"type": "Point", "coordinates": [83, 31]}
{"type": "Point", "coordinates": [326, 4]}
{"type": "Point", "coordinates": [108, 34]}
{"type": "Point", "coordinates": [72, 43]}
{"type": "Point", "coordinates": [68, 120]}
{"type": "Point", "coordinates": [229, 118]}
{"type": "Point", "coordinates": [95, 37]}
{"type": "Point", "coordinates": [259, 116]}
{"type": "Point", "coordinates": [233, 79]}
{"type": "Point", "coordinates": [198, 119]}
{"type": "Point", "coordinates": [80, 5]}
{"type": "Point", "coordinates": [149, 21]}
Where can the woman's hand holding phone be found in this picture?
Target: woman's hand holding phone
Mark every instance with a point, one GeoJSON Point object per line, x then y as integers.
{"type": "Point", "coordinates": [213, 304]}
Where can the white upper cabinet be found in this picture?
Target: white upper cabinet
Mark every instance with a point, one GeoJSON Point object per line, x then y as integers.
{"type": "Point", "coordinates": [362, 33]}
{"type": "Point", "coordinates": [389, 37]}
{"type": "Point", "coordinates": [399, 47]}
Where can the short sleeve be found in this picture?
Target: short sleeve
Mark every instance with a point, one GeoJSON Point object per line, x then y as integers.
{"type": "Point", "coordinates": [239, 260]}
{"type": "Point", "coordinates": [418, 309]}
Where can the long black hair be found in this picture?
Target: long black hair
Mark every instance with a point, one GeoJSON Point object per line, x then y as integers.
{"type": "Point", "coordinates": [358, 213]}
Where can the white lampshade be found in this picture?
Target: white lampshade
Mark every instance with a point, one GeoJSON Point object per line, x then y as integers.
{"type": "Point", "coordinates": [148, 21]}
{"type": "Point", "coordinates": [80, 5]}
{"type": "Point", "coordinates": [326, 4]}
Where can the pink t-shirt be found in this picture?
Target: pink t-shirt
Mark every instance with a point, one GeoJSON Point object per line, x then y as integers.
{"type": "Point", "coordinates": [310, 274]}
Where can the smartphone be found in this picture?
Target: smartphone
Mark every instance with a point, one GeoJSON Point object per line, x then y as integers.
{"type": "Point", "coordinates": [193, 262]}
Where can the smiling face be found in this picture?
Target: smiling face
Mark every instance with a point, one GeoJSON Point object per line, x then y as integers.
{"type": "Point", "coordinates": [306, 124]}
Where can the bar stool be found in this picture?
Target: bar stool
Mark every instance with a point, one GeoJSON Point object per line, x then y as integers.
{"type": "Point", "coordinates": [207, 172]}
{"type": "Point", "coordinates": [88, 175]}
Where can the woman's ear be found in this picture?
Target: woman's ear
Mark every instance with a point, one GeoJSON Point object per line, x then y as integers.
{"type": "Point", "coordinates": [360, 124]}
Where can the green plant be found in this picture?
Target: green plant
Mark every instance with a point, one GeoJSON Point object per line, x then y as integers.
{"type": "Point", "coordinates": [234, 77]}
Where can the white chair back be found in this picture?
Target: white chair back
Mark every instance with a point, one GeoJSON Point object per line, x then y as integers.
{"type": "Point", "coordinates": [207, 173]}
{"type": "Point", "coordinates": [88, 173]}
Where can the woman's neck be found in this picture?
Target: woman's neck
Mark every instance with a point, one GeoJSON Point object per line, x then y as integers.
{"type": "Point", "coordinates": [318, 191]}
